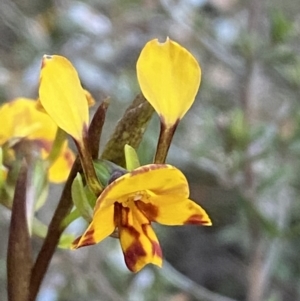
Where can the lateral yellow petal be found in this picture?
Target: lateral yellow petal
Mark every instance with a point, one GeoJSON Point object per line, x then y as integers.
{"type": "Point", "coordinates": [160, 179]}
{"type": "Point", "coordinates": [60, 169]}
{"type": "Point", "coordinates": [20, 119]}
{"type": "Point", "coordinates": [138, 240]}
{"type": "Point", "coordinates": [62, 95]}
{"type": "Point", "coordinates": [173, 210]}
{"type": "Point", "coordinates": [169, 77]}
{"type": "Point", "coordinates": [101, 226]}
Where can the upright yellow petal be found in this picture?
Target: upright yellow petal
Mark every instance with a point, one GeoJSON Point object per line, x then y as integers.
{"type": "Point", "coordinates": [169, 77]}
{"type": "Point", "coordinates": [62, 95]}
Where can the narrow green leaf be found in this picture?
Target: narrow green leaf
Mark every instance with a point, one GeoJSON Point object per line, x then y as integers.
{"type": "Point", "coordinates": [80, 199]}
{"type": "Point", "coordinates": [37, 189]}
{"type": "Point", "coordinates": [131, 158]}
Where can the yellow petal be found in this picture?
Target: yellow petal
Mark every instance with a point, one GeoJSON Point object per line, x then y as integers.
{"type": "Point", "coordinates": [102, 226]}
{"type": "Point", "coordinates": [173, 210]}
{"type": "Point", "coordinates": [89, 97]}
{"type": "Point", "coordinates": [60, 169]}
{"type": "Point", "coordinates": [138, 240]}
{"type": "Point", "coordinates": [169, 77]}
{"type": "Point", "coordinates": [20, 119]}
{"type": "Point", "coordinates": [161, 179]}
{"type": "Point", "coordinates": [62, 96]}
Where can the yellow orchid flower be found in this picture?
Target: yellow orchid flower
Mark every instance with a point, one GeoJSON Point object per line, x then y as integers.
{"type": "Point", "coordinates": [169, 77]}
{"type": "Point", "coordinates": [20, 119]}
{"type": "Point", "coordinates": [150, 193]}
{"type": "Point", "coordinates": [62, 95]}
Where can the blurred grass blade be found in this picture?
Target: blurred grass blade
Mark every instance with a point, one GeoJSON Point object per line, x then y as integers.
{"type": "Point", "coordinates": [129, 130]}
{"type": "Point", "coordinates": [19, 259]}
{"type": "Point", "coordinates": [80, 199]}
{"type": "Point", "coordinates": [36, 190]}
{"type": "Point", "coordinates": [40, 230]}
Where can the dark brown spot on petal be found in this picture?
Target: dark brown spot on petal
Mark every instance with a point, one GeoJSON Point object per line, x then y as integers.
{"type": "Point", "coordinates": [121, 215]}
{"type": "Point", "coordinates": [156, 249]}
{"type": "Point", "coordinates": [133, 253]}
{"type": "Point", "coordinates": [196, 219]}
{"type": "Point", "coordinates": [148, 209]}
{"type": "Point", "coordinates": [88, 239]}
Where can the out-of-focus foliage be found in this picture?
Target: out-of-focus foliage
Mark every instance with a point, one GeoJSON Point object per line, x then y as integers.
{"type": "Point", "coordinates": [239, 145]}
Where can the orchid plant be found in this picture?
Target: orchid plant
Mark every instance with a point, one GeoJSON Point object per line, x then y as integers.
{"type": "Point", "coordinates": [112, 192]}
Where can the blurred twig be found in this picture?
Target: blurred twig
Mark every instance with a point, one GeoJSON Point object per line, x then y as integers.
{"type": "Point", "coordinates": [179, 280]}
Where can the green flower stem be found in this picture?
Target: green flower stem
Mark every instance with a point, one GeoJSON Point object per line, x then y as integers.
{"type": "Point", "coordinates": [164, 142]}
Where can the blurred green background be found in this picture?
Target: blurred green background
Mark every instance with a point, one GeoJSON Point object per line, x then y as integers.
{"type": "Point", "coordinates": [239, 144]}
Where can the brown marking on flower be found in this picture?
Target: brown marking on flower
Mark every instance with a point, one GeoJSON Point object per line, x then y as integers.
{"type": "Point", "coordinates": [121, 220]}
{"type": "Point", "coordinates": [133, 254]}
{"type": "Point", "coordinates": [148, 209]}
{"type": "Point", "coordinates": [75, 242]}
{"type": "Point", "coordinates": [88, 239]}
{"type": "Point", "coordinates": [147, 168]}
{"type": "Point", "coordinates": [124, 217]}
{"type": "Point", "coordinates": [156, 249]}
{"type": "Point", "coordinates": [196, 219]}
{"type": "Point", "coordinates": [155, 245]}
